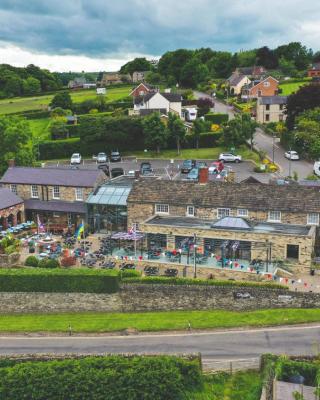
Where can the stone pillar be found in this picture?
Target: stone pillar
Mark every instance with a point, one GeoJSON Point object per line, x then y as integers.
{"type": "Point", "coordinates": [171, 242]}
{"type": "Point", "coordinates": [14, 220]}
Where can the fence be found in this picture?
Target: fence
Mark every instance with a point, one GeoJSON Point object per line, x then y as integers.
{"type": "Point", "coordinates": [231, 366]}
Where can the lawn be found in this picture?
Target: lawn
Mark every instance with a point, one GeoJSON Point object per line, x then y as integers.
{"type": "Point", "coordinates": [241, 385]}
{"type": "Point", "coordinates": [291, 87]}
{"type": "Point", "coordinates": [205, 154]}
{"type": "Point", "coordinates": [19, 104]}
{"type": "Point", "coordinates": [154, 321]}
{"type": "Point", "coordinates": [40, 128]}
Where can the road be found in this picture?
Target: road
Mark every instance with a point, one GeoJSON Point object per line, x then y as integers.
{"type": "Point", "coordinates": [222, 345]}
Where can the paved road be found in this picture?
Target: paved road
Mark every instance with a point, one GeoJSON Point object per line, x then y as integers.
{"type": "Point", "coordinates": [219, 106]}
{"type": "Point", "coordinates": [223, 345]}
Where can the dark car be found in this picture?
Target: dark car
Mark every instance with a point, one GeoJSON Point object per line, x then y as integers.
{"type": "Point", "coordinates": [116, 172]}
{"type": "Point", "coordinates": [187, 166]}
{"type": "Point", "coordinates": [104, 168]}
{"type": "Point", "coordinates": [146, 168]}
{"type": "Point", "coordinates": [115, 156]}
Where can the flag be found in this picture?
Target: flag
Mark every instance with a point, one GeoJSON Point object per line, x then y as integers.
{"type": "Point", "coordinates": [132, 230]}
{"type": "Point", "coordinates": [41, 227]}
{"type": "Point", "coordinates": [80, 231]}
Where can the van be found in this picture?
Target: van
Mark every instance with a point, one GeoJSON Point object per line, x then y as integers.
{"type": "Point", "coordinates": [316, 168]}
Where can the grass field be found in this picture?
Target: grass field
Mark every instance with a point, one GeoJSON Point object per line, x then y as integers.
{"type": "Point", "coordinates": [211, 153]}
{"type": "Point", "coordinates": [39, 128]}
{"type": "Point", "coordinates": [154, 321]}
{"type": "Point", "coordinates": [19, 104]}
{"type": "Point", "coordinates": [291, 87]}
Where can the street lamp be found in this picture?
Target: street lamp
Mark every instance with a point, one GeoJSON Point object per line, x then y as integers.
{"type": "Point", "coordinates": [272, 147]}
{"type": "Point", "coordinates": [194, 255]}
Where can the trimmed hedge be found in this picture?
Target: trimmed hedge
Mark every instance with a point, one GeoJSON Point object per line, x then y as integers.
{"type": "Point", "coordinates": [58, 280]}
{"type": "Point", "coordinates": [217, 118]}
{"type": "Point", "coordinates": [100, 378]}
{"type": "Point", "coordinates": [162, 280]}
{"type": "Point", "coordinates": [55, 149]}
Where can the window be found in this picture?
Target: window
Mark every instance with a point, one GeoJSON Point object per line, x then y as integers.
{"type": "Point", "coordinates": [223, 212]}
{"type": "Point", "coordinates": [293, 251]}
{"type": "Point", "coordinates": [69, 219]}
{"type": "Point", "coordinates": [281, 107]}
{"type": "Point", "coordinates": [79, 194]}
{"type": "Point", "coordinates": [266, 84]}
{"type": "Point", "coordinates": [281, 117]}
{"type": "Point", "coordinates": [267, 107]}
{"type": "Point", "coordinates": [313, 219]}
{"type": "Point", "coordinates": [56, 192]}
{"type": "Point", "coordinates": [34, 192]}
{"type": "Point", "coordinates": [13, 188]}
{"type": "Point", "coordinates": [274, 216]}
{"type": "Point", "coordinates": [267, 117]}
{"type": "Point", "coordinates": [190, 211]}
{"type": "Point", "coordinates": [242, 212]}
{"type": "Point", "coordinates": [162, 208]}
{"type": "Point", "coordinates": [259, 93]}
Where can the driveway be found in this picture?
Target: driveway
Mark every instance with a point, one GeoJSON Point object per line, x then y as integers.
{"type": "Point", "coordinates": [219, 106]}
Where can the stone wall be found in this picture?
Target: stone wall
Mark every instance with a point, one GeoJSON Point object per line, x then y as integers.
{"type": "Point", "coordinates": [156, 298]}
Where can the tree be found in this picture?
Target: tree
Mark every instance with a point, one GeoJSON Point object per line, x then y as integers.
{"type": "Point", "coordinates": [155, 131]}
{"type": "Point", "coordinates": [267, 58]}
{"type": "Point", "coordinates": [193, 73]}
{"type": "Point", "coordinates": [58, 128]}
{"type": "Point", "coordinates": [221, 64]}
{"type": "Point", "coordinates": [239, 130]}
{"type": "Point", "coordinates": [63, 100]}
{"type": "Point", "coordinates": [176, 130]}
{"type": "Point", "coordinates": [204, 105]}
{"type": "Point", "coordinates": [31, 86]}
{"type": "Point", "coordinates": [138, 64]}
{"type": "Point", "coordinates": [287, 67]}
{"type": "Point", "coordinates": [199, 126]}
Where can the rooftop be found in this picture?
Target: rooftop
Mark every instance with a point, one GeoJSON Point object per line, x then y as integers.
{"type": "Point", "coordinates": [55, 206]}
{"type": "Point", "coordinates": [270, 100]}
{"type": "Point", "coordinates": [52, 176]}
{"type": "Point", "coordinates": [8, 199]}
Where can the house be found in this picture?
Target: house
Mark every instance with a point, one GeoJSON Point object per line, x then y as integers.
{"type": "Point", "coordinates": [139, 76]}
{"type": "Point", "coordinates": [271, 109]}
{"type": "Point", "coordinates": [57, 195]}
{"type": "Point", "coordinates": [314, 71]}
{"type": "Point", "coordinates": [243, 216]}
{"type": "Point", "coordinates": [72, 119]}
{"type": "Point", "coordinates": [161, 102]}
{"type": "Point", "coordinates": [89, 85]}
{"type": "Point", "coordinates": [236, 83]}
{"type": "Point", "coordinates": [112, 78]}
{"type": "Point", "coordinates": [255, 72]}
{"type": "Point", "coordinates": [142, 89]}
{"type": "Point", "coordinates": [266, 87]}
{"type": "Point", "coordinates": [11, 209]}
{"type": "Point", "coordinates": [77, 83]}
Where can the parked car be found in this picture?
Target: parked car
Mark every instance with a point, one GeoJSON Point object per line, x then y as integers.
{"type": "Point", "coordinates": [116, 172]}
{"type": "Point", "coordinates": [102, 158]}
{"type": "Point", "coordinates": [146, 168]}
{"type": "Point", "coordinates": [104, 168]}
{"type": "Point", "coordinates": [75, 158]}
{"type": "Point", "coordinates": [115, 156]}
{"type": "Point", "coordinates": [216, 167]}
{"type": "Point", "coordinates": [193, 175]}
{"type": "Point", "coordinates": [291, 155]}
{"type": "Point", "coordinates": [201, 164]}
{"type": "Point", "coordinates": [316, 168]}
{"type": "Point", "coordinates": [229, 157]}
{"type": "Point", "coordinates": [187, 166]}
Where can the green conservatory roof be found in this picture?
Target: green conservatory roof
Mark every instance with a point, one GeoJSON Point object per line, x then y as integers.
{"type": "Point", "coordinates": [110, 195]}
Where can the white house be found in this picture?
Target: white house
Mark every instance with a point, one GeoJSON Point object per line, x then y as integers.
{"type": "Point", "coordinates": [101, 90]}
{"type": "Point", "coordinates": [162, 102]}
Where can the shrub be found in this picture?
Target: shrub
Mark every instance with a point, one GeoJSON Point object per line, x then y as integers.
{"type": "Point", "coordinates": [129, 273]}
{"type": "Point", "coordinates": [68, 261]}
{"type": "Point", "coordinates": [217, 118]}
{"type": "Point", "coordinates": [48, 263]}
{"type": "Point", "coordinates": [31, 261]}
{"type": "Point", "coordinates": [55, 149]}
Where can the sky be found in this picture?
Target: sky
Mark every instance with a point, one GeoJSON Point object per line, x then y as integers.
{"type": "Point", "coordinates": [96, 35]}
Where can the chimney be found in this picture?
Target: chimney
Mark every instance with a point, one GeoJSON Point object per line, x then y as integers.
{"type": "Point", "coordinates": [11, 163]}
{"type": "Point", "coordinates": [203, 175]}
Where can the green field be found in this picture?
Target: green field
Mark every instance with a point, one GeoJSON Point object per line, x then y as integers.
{"type": "Point", "coordinates": [154, 321]}
{"type": "Point", "coordinates": [20, 104]}
{"type": "Point", "coordinates": [40, 128]}
{"type": "Point", "coordinates": [291, 87]}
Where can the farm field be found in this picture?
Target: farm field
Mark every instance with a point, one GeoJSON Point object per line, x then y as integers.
{"type": "Point", "coordinates": [20, 104]}
{"type": "Point", "coordinates": [291, 87]}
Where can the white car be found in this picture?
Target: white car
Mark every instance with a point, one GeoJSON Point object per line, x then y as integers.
{"type": "Point", "coordinates": [291, 155]}
{"type": "Point", "coordinates": [75, 159]}
{"type": "Point", "coordinates": [316, 168]}
{"type": "Point", "coordinates": [102, 158]}
{"type": "Point", "coordinates": [228, 157]}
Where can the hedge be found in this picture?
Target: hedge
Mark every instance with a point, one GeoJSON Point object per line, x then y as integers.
{"type": "Point", "coordinates": [217, 118]}
{"type": "Point", "coordinates": [100, 378]}
{"type": "Point", "coordinates": [32, 114]}
{"type": "Point", "coordinates": [55, 149]}
{"type": "Point", "coordinates": [58, 280]}
{"type": "Point", "coordinates": [162, 280]}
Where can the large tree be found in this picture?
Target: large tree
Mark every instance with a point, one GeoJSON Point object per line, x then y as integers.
{"type": "Point", "coordinates": [199, 126]}
{"type": "Point", "coordinates": [176, 130]}
{"type": "Point", "coordinates": [138, 64]}
{"type": "Point", "coordinates": [155, 131]}
{"type": "Point", "coordinates": [238, 130]}
{"type": "Point", "coordinates": [63, 100]}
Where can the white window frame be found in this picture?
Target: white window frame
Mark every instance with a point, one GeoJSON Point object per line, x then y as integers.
{"type": "Point", "coordinates": [192, 213]}
{"type": "Point", "coordinates": [79, 193]}
{"type": "Point", "coordinates": [266, 84]}
{"type": "Point", "coordinates": [162, 208]}
{"type": "Point", "coordinates": [34, 192]}
{"type": "Point", "coordinates": [14, 188]}
{"type": "Point", "coordinates": [56, 215]}
{"type": "Point", "coordinates": [271, 218]}
{"type": "Point", "coordinates": [313, 219]}
{"type": "Point", "coordinates": [226, 211]}
{"type": "Point", "coordinates": [55, 192]}
{"type": "Point", "coordinates": [242, 212]}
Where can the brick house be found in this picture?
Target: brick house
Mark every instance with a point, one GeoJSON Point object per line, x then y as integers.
{"type": "Point", "coordinates": [271, 109]}
{"type": "Point", "coordinates": [57, 195]}
{"type": "Point", "coordinates": [253, 215]}
{"type": "Point", "coordinates": [266, 87]}
{"type": "Point", "coordinates": [314, 71]}
{"type": "Point", "coordinates": [11, 209]}
{"type": "Point", "coordinates": [142, 90]}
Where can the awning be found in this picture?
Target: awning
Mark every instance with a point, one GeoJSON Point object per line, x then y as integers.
{"type": "Point", "coordinates": [55, 206]}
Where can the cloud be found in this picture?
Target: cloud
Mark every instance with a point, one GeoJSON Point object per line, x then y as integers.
{"type": "Point", "coordinates": [101, 29]}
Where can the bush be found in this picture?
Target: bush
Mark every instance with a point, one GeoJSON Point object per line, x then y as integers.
{"type": "Point", "coordinates": [58, 280]}
{"type": "Point", "coordinates": [97, 378]}
{"type": "Point", "coordinates": [129, 273]}
{"type": "Point", "coordinates": [68, 261]}
{"type": "Point", "coordinates": [217, 118]}
{"type": "Point", "coordinates": [55, 149]}
{"type": "Point", "coordinates": [48, 263]}
{"type": "Point", "coordinates": [31, 261]}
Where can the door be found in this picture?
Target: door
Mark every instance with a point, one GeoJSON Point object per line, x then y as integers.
{"type": "Point", "coordinates": [293, 251]}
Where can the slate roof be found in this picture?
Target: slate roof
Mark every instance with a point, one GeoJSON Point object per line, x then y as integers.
{"type": "Point", "coordinates": [172, 97]}
{"type": "Point", "coordinates": [227, 195]}
{"type": "Point", "coordinates": [235, 79]}
{"type": "Point", "coordinates": [8, 199]}
{"type": "Point", "coordinates": [55, 206]}
{"type": "Point", "coordinates": [265, 100]}
{"type": "Point", "coordinates": [52, 176]}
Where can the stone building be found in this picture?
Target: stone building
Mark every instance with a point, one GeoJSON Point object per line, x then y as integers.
{"type": "Point", "coordinates": [57, 195]}
{"type": "Point", "coordinates": [11, 209]}
{"type": "Point", "coordinates": [271, 109]}
{"type": "Point", "coordinates": [278, 222]}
